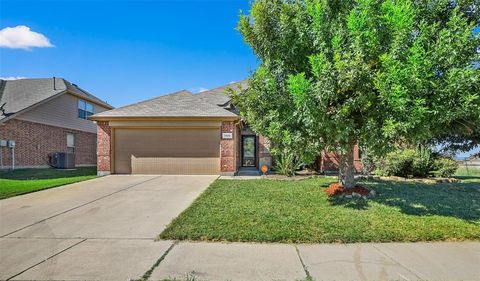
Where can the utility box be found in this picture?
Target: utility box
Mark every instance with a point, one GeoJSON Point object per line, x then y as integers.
{"type": "Point", "coordinates": [62, 160]}
{"type": "Point", "coordinates": [11, 143]}
{"type": "Point", "coordinates": [3, 143]}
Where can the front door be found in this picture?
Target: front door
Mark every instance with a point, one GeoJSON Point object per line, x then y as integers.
{"type": "Point", "coordinates": [249, 151]}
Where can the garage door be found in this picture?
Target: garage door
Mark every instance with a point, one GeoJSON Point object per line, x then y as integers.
{"type": "Point", "coordinates": [167, 151]}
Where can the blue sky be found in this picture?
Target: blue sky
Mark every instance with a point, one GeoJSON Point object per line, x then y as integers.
{"type": "Point", "coordinates": [126, 51]}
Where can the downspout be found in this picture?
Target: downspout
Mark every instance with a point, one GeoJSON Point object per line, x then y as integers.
{"type": "Point", "coordinates": [13, 158]}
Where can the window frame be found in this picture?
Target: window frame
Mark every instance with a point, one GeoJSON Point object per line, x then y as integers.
{"type": "Point", "coordinates": [82, 111]}
{"type": "Point", "coordinates": [73, 145]}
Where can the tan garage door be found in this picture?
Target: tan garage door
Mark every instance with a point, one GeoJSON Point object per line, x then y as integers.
{"type": "Point", "coordinates": [167, 151]}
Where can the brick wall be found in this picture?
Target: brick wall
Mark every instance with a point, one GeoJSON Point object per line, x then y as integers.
{"type": "Point", "coordinates": [265, 158]}
{"type": "Point", "coordinates": [227, 149]}
{"type": "Point", "coordinates": [329, 161]}
{"type": "Point", "coordinates": [34, 141]}
{"type": "Point", "coordinates": [103, 147]}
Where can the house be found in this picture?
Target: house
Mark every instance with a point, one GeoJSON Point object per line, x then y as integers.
{"type": "Point", "coordinates": [179, 133]}
{"type": "Point", "coordinates": [473, 161]}
{"type": "Point", "coordinates": [47, 115]}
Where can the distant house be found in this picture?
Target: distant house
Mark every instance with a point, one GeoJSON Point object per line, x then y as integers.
{"type": "Point", "coordinates": [474, 161]}
{"type": "Point", "coordinates": [184, 133]}
{"type": "Point", "coordinates": [47, 115]}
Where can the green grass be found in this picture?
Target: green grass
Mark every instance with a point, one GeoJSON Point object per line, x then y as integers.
{"type": "Point", "coordinates": [470, 172]}
{"type": "Point", "coordinates": [300, 212]}
{"type": "Point", "coordinates": [23, 181]}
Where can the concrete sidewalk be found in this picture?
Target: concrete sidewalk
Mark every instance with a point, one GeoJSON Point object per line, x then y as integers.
{"type": "Point", "coordinates": [363, 261]}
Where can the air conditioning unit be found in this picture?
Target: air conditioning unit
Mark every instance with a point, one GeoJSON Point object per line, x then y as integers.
{"type": "Point", "coordinates": [62, 160]}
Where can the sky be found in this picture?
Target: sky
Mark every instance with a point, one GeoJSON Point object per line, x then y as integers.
{"type": "Point", "coordinates": [127, 51]}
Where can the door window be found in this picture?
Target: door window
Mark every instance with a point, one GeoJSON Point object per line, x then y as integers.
{"type": "Point", "coordinates": [248, 151]}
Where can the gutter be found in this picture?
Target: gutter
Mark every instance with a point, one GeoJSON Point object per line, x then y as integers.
{"type": "Point", "coordinates": [162, 118]}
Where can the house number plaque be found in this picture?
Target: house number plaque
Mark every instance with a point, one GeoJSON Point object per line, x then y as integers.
{"type": "Point", "coordinates": [227, 136]}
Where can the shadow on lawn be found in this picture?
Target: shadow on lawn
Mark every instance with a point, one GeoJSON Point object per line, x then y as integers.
{"type": "Point", "coordinates": [459, 200]}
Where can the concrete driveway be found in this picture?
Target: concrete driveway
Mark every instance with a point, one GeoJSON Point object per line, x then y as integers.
{"type": "Point", "coordinates": [106, 223]}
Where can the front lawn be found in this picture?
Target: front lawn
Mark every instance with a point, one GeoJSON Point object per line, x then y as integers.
{"type": "Point", "coordinates": [300, 212]}
{"type": "Point", "coordinates": [468, 171]}
{"type": "Point", "coordinates": [23, 181]}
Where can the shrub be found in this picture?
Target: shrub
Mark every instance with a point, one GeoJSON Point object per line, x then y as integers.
{"type": "Point", "coordinates": [397, 163]}
{"type": "Point", "coordinates": [286, 162]}
{"type": "Point", "coordinates": [445, 167]}
{"type": "Point", "coordinates": [368, 163]}
{"type": "Point", "coordinates": [422, 162]}
{"type": "Point", "coordinates": [418, 163]}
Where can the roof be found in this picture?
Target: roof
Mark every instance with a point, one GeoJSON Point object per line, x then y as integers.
{"type": "Point", "coordinates": [219, 95]}
{"type": "Point", "coordinates": [18, 95]}
{"type": "Point", "coordinates": [179, 104]}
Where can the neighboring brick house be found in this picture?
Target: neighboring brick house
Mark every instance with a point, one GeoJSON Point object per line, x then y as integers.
{"type": "Point", "coordinates": [44, 116]}
{"type": "Point", "coordinates": [329, 161]}
{"type": "Point", "coordinates": [180, 133]}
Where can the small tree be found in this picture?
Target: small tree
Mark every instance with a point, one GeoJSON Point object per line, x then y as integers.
{"type": "Point", "coordinates": [372, 72]}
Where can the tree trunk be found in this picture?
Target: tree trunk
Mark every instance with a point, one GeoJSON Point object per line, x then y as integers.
{"type": "Point", "coordinates": [347, 169]}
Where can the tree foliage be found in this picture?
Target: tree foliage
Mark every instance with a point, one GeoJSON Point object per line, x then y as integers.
{"type": "Point", "coordinates": [374, 72]}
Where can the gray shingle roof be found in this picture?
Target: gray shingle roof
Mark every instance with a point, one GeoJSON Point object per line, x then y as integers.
{"type": "Point", "coordinates": [178, 104]}
{"type": "Point", "coordinates": [218, 95]}
{"type": "Point", "coordinates": [81, 92]}
{"type": "Point", "coordinates": [20, 94]}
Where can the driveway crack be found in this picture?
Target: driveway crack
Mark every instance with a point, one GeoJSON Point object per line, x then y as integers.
{"type": "Point", "coordinates": [40, 262]}
{"type": "Point", "coordinates": [147, 274]}
{"type": "Point", "coordinates": [305, 268]}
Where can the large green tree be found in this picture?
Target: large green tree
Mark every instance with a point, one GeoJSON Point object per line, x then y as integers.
{"type": "Point", "coordinates": [335, 73]}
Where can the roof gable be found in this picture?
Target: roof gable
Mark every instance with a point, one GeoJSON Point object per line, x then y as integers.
{"type": "Point", "coordinates": [218, 95]}
{"type": "Point", "coordinates": [22, 94]}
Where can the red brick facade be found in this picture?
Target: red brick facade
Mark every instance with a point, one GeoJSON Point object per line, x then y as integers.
{"type": "Point", "coordinates": [265, 158]}
{"type": "Point", "coordinates": [227, 148]}
{"type": "Point", "coordinates": [34, 141]}
{"type": "Point", "coordinates": [328, 161]}
{"type": "Point", "coordinates": [104, 133]}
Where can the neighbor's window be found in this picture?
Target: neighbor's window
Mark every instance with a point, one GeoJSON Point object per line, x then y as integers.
{"type": "Point", "coordinates": [70, 143]}
{"type": "Point", "coordinates": [85, 109]}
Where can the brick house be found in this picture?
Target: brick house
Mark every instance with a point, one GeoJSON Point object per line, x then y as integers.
{"type": "Point", "coordinates": [180, 133]}
{"type": "Point", "coordinates": [47, 115]}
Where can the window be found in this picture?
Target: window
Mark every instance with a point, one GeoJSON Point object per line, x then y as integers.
{"type": "Point", "coordinates": [70, 143]}
{"type": "Point", "coordinates": [85, 109]}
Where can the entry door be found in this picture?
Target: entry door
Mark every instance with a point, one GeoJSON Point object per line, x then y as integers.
{"type": "Point", "coordinates": [249, 151]}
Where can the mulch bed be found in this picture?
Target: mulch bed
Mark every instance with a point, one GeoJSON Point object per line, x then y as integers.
{"type": "Point", "coordinates": [335, 189]}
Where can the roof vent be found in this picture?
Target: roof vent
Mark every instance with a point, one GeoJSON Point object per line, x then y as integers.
{"type": "Point", "coordinates": [54, 86]}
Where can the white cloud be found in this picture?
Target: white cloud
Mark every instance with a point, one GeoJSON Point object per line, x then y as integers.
{"type": "Point", "coordinates": [199, 90]}
{"type": "Point", "coordinates": [21, 37]}
{"type": "Point", "coordinates": [12, 78]}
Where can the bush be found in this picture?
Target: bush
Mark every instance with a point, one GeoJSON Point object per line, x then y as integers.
{"type": "Point", "coordinates": [398, 163]}
{"type": "Point", "coordinates": [422, 162]}
{"type": "Point", "coordinates": [368, 163]}
{"type": "Point", "coordinates": [286, 162]}
{"type": "Point", "coordinates": [445, 167]}
{"type": "Point", "coordinates": [417, 163]}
